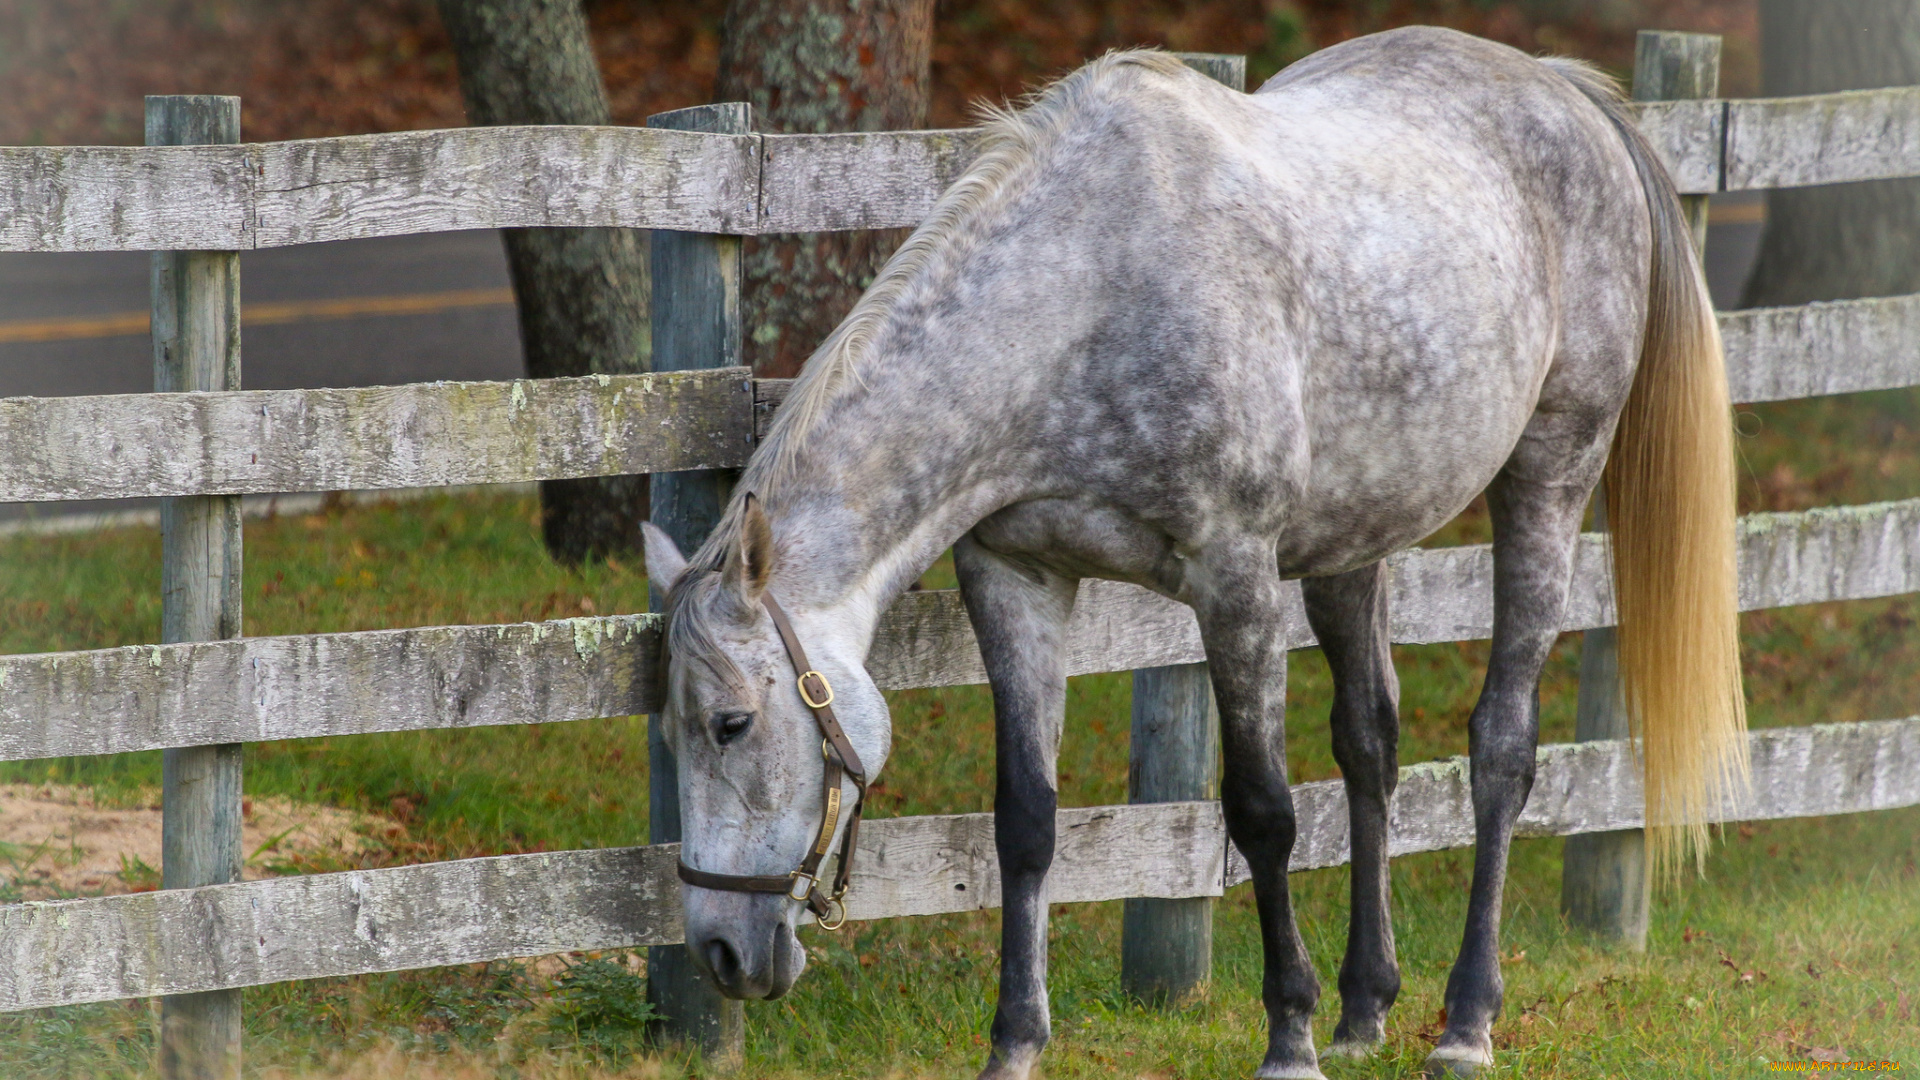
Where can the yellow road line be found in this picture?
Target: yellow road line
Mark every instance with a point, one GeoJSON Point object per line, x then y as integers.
{"type": "Point", "coordinates": [1753, 213]}
{"type": "Point", "coordinates": [125, 323]}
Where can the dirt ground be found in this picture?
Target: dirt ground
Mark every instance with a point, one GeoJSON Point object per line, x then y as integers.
{"type": "Point", "coordinates": [58, 841]}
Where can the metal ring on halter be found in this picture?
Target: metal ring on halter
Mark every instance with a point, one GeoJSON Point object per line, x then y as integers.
{"type": "Point", "coordinates": [801, 682]}
{"type": "Point", "coordinates": [830, 926]}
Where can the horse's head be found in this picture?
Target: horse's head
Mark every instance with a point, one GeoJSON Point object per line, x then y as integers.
{"type": "Point", "coordinates": [750, 752]}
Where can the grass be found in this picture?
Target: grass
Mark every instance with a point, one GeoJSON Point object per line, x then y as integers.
{"type": "Point", "coordinates": [1802, 939]}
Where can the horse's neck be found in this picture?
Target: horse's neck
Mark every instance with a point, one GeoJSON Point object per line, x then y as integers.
{"type": "Point", "coordinates": [890, 478]}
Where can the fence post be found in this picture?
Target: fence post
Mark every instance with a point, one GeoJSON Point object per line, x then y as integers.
{"type": "Point", "coordinates": [1166, 946]}
{"type": "Point", "coordinates": [696, 324]}
{"type": "Point", "coordinates": [1604, 887]}
{"type": "Point", "coordinates": [196, 346]}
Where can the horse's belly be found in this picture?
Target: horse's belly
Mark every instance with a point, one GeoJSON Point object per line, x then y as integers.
{"type": "Point", "coordinates": [1383, 483]}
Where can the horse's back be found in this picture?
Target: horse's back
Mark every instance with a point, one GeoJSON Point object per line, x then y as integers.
{"type": "Point", "coordinates": [1468, 245]}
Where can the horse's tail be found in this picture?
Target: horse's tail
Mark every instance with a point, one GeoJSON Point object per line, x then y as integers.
{"type": "Point", "coordinates": [1670, 511]}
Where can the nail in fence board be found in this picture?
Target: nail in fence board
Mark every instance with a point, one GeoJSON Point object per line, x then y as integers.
{"type": "Point", "coordinates": [196, 347]}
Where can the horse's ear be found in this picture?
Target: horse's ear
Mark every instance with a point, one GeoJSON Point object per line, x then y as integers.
{"type": "Point", "coordinates": [750, 564]}
{"type": "Point", "coordinates": [664, 561]}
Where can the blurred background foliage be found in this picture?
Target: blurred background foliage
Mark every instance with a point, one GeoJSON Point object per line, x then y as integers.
{"type": "Point", "coordinates": [74, 71]}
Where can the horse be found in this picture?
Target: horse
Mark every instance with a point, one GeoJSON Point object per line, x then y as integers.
{"type": "Point", "coordinates": [1168, 333]}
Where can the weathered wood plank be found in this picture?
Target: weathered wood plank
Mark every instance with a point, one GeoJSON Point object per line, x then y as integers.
{"type": "Point", "coordinates": [280, 929]}
{"type": "Point", "coordinates": [415, 435]}
{"type": "Point", "coordinates": [125, 198]}
{"type": "Point", "coordinates": [1595, 787]}
{"type": "Point", "coordinates": [379, 437]}
{"type": "Point", "coordinates": [1439, 594]}
{"type": "Point", "coordinates": [944, 863]}
{"type": "Point", "coordinates": [1837, 347]}
{"type": "Point", "coordinates": [195, 299]}
{"type": "Point", "coordinates": [868, 180]}
{"type": "Point", "coordinates": [496, 177]}
{"type": "Point", "coordinates": [696, 325]}
{"type": "Point", "coordinates": [310, 190]}
{"type": "Point", "coordinates": [1823, 138]}
{"type": "Point", "coordinates": [1687, 136]}
{"type": "Point", "coordinates": [146, 697]}
{"type": "Point", "coordinates": [65, 952]}
{"type": "Point", "coordinates": [768, 394]}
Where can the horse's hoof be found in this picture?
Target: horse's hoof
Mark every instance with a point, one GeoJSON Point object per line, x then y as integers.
{"type": "Point", "coordinates": [1458, 1059]}
{"type": "Point", "coordinates": [1014, 1064]}
{"type": "Point", "coordinates": [1356, 1039]}
{"type": "Point", "coordinates": [1290, 1072]}
{"type": "Point", "coordinates": [1353, 1049]}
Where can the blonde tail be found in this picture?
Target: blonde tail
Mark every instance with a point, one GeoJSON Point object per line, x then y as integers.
{"type": "Point", "coordinates": [1670, 512]}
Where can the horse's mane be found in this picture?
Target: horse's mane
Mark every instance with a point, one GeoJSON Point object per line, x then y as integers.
{"type": "Point", "coordinates": [1010, 137]}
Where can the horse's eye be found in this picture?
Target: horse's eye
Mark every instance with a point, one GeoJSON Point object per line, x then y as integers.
{"type": "Point", "coordinates": [730, 726]}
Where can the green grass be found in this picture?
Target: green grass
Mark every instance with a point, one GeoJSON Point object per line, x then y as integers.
{"type": "Point", "coordinates": [1824, 915]}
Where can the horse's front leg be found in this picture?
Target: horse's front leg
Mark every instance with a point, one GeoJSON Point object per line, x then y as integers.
{"type": "Point", "coordinates": [1535, 528]}
{"type": "Point", "coordinates": [1019, 614]}
{"type": "Point", "coordinates": [1348, 613]}
{"type": "Point", "coordinates": [1236, 594]}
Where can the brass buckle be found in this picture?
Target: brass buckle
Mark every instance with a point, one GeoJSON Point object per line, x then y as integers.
{"type": "Point", "coordinates": [801, 682]}
{"type": "Point", "coordinates": [802, 895]}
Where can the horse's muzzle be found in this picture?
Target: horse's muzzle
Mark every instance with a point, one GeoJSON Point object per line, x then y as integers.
{"type": "Point", "coordinates": [754, 965]}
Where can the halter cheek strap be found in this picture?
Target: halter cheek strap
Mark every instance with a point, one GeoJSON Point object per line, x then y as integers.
{"type": "Point", "coordinates": [843, 762]}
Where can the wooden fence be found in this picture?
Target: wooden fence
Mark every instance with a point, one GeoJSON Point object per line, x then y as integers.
{"type": "Point", "coordinates": [228, 442]}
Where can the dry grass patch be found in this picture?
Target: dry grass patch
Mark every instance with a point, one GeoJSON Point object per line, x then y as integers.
{"type": "Point", "coordinates": [59, 841]}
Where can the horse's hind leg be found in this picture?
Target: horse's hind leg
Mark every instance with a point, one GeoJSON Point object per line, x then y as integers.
{"type": "Point", "coordinates": [1348, 613]}
{"type": "Point", "coordinates": [1536, 522]}
{"type": "Point", "coordinates": [1243, 624]}
{"type": "Point", "coordinates": [1020, 616]}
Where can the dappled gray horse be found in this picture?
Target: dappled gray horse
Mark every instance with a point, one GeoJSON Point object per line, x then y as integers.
{"type": "Point", "coordinates": [1204, 341]}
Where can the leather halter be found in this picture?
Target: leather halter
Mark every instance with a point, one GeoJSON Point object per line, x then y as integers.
{"type": "Point", "coordinates": [843, 761]}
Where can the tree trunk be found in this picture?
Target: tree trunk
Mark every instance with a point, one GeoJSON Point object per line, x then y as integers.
{"type": "Point", "coordinates": [581, 293]}
{"type": "Point", "coordinates": [816, 66]}
{"type": "Point", "coordinates": [1842, 240]}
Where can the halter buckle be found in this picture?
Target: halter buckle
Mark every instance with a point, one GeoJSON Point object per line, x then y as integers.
{"type": "Point", "coordinates": [799, 894]}
{"type": "Point", "coordinates": [801, 682]}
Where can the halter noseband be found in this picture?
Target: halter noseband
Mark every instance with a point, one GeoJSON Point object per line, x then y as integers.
{"type": "Point", "coordinates": [803, 884]}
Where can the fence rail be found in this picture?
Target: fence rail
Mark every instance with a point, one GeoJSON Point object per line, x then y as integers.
{"type": "Point", "coordinates": [144, 697]}
{"type": "Point", "coordinates": [242, 197]}
{"type": "Point", "coordinates": [447, 433]}
{"type": "Point", "coordinates": [435, 914]}
{"type": "Point", "coordinates": [263, 195]}
{"type": "Point", "coordinates": [415, 435]}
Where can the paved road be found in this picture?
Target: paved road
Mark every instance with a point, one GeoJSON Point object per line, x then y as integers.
{"type": "Point", "coordinates": [316, 315]}
{"type": "Point", "coordinates": [354, 313]}
{"type": "Point", "coordinates": [366, 312]}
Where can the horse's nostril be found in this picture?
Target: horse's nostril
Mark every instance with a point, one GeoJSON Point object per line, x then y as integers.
{"type": "Point", "coordinates": [723, 962]}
